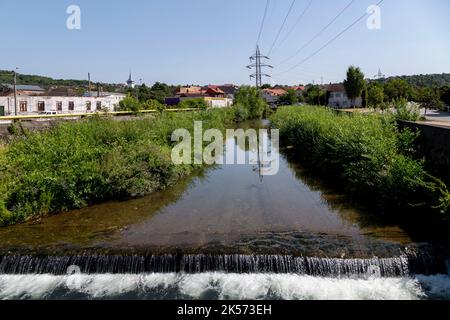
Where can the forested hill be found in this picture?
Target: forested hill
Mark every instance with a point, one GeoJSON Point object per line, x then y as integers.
{"type": "Point", "coordinates": [427, 80]}
{"type": "Point", "coordinates": [6, 77]}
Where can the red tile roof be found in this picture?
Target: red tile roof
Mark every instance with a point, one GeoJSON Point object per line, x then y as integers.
{"type": "Point", "coordinates": [275, 92]}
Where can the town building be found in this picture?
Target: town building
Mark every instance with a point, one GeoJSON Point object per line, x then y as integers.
{"type": "Point", "coordinates": [338, 98]}
{"type": "Point", "coordinates": [61, 101]}
{"type": "Point", "coordinates": [272, 96]}
{"type": "Point", "coordinates": [214, 96]}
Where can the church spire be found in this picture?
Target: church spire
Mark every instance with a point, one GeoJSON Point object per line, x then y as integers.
{"type": "Point", "coordinates": [130, 82]}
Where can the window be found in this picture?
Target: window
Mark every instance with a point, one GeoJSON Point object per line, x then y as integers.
{"type": "Point", "coordinates": [99, 105]}
{"type": "Point", "coordinates": [71, 105]}
{"type": "Point", "coordinates": [23, 106]}
{"type": "Point", "coordinates": [59, 106]}
{"type": "Point", "coordinates": [88, 106]}
{"type": "Point", "coordinates": [41, 106]}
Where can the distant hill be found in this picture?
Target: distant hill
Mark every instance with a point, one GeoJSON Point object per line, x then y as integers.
{"type": "Point", "coordinates": [7, 77]}
{"type": "Point", "coordinates": [426, 80]}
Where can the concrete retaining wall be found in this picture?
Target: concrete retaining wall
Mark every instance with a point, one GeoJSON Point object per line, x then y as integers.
{"type": "Point", "coordinates": [434, 144]}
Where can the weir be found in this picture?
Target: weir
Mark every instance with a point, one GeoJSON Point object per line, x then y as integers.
{"type": "Point", "coordinates": [405, 265]}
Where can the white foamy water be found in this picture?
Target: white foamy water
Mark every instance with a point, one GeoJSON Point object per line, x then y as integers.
{"type": "Point", "coordinates": [221, 286]}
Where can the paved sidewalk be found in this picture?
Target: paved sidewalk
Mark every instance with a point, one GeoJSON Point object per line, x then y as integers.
{"type": "Point", "coordinates": [435, 117]}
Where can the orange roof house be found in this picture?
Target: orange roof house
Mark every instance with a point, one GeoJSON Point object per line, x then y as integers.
{"type": "Point", "coordinates": [277, 92]}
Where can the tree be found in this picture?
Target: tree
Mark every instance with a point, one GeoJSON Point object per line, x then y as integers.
{"type": "Point", "coordinates": [429, 99]}
{"type": "Point", "coordinates": [445, 95]}
{"type": "Point", "coordinates": [266, 86]}
{"type": "Point", "coordinates": [290, 98]}
{"type": "Point", "coordinates": [354, 84]}
{"type": "Point", "coordinates": [375, 95]}
{"type": "Point", "coordinates": [130, 103]}
{"type": "Point", "coordinates": [397, 89]}
{"type": "Point", "coordinates": [315, 95]}
{"type": "Point", "coordinates": [160, 91]}
{"type": "Point", "coordinates": [143, 93]}
{"type": "Point", "coordinates": [249, 98]}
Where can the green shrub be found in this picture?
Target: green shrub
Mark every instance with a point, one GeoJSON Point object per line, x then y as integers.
{"type": "Point", "coordinates": [152, 104]}
{"type": "Point", "coordinates": [249, 98]}
{"type": "Point", "coordinates": [79, 163]}
{"type": "Point", "coordinates": [199, 103]}
{"type": "Point", "coordinates": [365, 153]}
{"type": "Point", "coordinates": [406, 111]}
{"type": "Point", "coordinates": [130, 104]}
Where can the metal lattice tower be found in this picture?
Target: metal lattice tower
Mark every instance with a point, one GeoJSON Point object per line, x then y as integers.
{"type": "Point", "coordinates": [258, 65]}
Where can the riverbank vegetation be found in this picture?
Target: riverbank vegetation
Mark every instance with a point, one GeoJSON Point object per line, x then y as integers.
{"type": "Point", "coordinates": [365, 155]}
{"type": "Point", "coordinates": [249, 104]}
{"type": "Point", "coordinates": [80, 163]}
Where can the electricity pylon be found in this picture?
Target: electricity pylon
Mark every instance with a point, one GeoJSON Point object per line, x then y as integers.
{"type": "Point", "coordinates": [258, 65]}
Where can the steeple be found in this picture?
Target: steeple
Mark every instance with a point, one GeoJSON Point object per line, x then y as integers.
{"type": "Point", "coordinates": [130, 82]}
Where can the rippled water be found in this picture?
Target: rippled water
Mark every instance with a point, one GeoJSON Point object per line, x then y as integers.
{"type": "Point", "coordinates": [221, 286]}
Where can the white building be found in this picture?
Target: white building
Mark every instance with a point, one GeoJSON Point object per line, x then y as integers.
{"type": "Point", "coordinates": [35, 104]}
{"type": "Point", "coordinates": [214, 102]}
{"type": "Point", "coordinates": [338, 97]}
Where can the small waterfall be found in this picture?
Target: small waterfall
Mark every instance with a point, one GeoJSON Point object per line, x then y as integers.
{"type": "Point", "coordinates": [408, 264]}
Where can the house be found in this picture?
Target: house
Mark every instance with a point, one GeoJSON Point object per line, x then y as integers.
{"type": "Point", "coordinates": [229, 89]}
{"type": "Point", "coordinates": [273, 95]}
{"type": "Point", "coordinates": [215, 92]}
{"type": "Point", "coordinates": [298, 89]}
{"type": "Point", "coordinates": [63, 101]}
{"type": "Point", "coordinates": [338, 97]}
{"type": "Point", "coordinates": [190, 91]}
{"type": "Point", "coordinates": [214, 96]}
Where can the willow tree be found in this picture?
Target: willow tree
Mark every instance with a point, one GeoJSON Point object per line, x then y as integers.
{"type": "Point", "coordinates": [354, 84]}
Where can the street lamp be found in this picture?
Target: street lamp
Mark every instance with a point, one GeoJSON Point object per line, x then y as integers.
{"type": "Point", "coordinates": [15, 91]}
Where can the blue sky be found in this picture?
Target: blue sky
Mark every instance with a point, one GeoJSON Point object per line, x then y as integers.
{"type": "Point", "coordinates": [209, 41]}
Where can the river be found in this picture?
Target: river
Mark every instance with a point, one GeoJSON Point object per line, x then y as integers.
{"type": "Point", "coordinates": [227, 233]}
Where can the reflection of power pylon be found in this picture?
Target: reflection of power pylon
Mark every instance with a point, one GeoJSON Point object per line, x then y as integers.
{"type": "Point", "coordinates": [379, 75]}
{"type": "Point", "coordinates": [257, 65]}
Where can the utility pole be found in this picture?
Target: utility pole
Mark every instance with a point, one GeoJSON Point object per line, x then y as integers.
{"type": "Point", "coordinates": [89, 85]}
{"type": "Point", "coordinates": [15, 91]}
{"type": "Point", "coordinates": [257, 65]}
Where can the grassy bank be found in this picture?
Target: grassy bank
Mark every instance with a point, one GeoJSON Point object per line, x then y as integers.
{"type": "Point", "coordinates": [80, 163]}
{"type": "Point", "coordinates": [366, 156]}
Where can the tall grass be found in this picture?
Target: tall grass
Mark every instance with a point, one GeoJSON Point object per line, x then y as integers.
{"type": "Point", "coordinates": [80, 163]}
{"type": "Point", "coordinates": [366, 155]}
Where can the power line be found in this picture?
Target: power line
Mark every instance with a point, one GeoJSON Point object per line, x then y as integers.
{"type": "Point", "coordinates": [319, 33]}
{"type": "Point", "coordinates": [296, 23]}
{"type": "Point", "coordinates": [330, 41]}
{"type": "Point", "coordinates": [263, 22]}
{"type": "Point", "coordinates": [282, 26]}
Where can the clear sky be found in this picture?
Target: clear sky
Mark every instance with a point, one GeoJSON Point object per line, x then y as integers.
{"type": "Point", "coordinates": [209, 41]}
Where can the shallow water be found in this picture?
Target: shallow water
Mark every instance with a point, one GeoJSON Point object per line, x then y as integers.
{"type": "Point", "coordinates": [227, 208]}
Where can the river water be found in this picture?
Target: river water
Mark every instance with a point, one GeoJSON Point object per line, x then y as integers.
{"type": "Point", "coordinates": [213, 216]}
